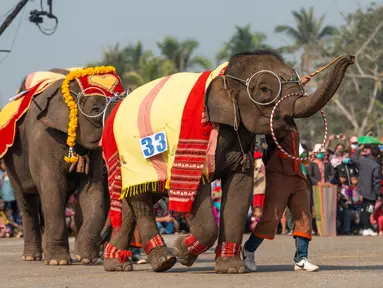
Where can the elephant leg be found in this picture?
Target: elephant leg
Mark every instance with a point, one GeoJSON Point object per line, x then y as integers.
{"type": "Point", "coordinates": [29, 203]}
{"type": "Point", "coordinates": [155, 248]}
{"type": "Point", "coordinates": [116, 250]}
{"type": "Point", "coordinates": [203, 228]}
{"type": "Point", "coordinates": [91, 201]}
{"type": "Point", "coordinates": [31, 227]}
{"type": "Point", "coordinates": [236, 196]}
{"type": "Point", "coordinates": [53, 199]}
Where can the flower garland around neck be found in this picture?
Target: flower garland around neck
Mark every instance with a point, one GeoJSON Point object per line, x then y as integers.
{"type": "Point", "coordinates": [73, 120]}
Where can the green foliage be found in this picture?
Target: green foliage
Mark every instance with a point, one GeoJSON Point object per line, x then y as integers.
{"type": "Point", "coordinates": [181, 53]}
{"type": "Point", "coordinates": [357, 107]}
{"type": "Point", "coordinates": [313, 43]}
{"type": "Point", "coordinates": [242, 40]}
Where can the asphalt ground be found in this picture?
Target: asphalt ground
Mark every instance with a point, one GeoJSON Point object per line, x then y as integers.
{"type": "Point", "coordinates": [350, 261]}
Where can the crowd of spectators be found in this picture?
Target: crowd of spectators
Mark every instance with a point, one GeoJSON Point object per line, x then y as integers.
{"type": "Point", "coordinates": [356, 172]}
{"type": "Point", "coordinates": [10, 217]}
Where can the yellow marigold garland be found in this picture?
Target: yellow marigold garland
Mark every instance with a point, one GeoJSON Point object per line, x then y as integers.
{"type": "Point", "coordinates": [73, 120]}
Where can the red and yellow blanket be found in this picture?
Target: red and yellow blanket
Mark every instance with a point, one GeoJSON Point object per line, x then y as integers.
{"type": "Point", "coordinates": [173, 105]}
{"type": "Point", "coordinates": [35, 83]}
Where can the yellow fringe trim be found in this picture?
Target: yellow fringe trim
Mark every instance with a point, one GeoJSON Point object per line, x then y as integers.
{"type": "Point", "coordinates": [138, 189]}
{"type": "Point", "coordinates": [151, 186]}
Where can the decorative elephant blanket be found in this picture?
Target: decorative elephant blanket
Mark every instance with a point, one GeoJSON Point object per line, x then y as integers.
{"type": "Point", "coordinates": [159, 138]}
{"type": "Point", "coordinates": [37, 82]}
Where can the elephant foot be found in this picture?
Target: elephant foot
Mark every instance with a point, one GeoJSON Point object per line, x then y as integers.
{"type": "Point", "coordinates": [228, 260]}
{"type": "Point", "coordinates": [58, 259]}
{"type": "Point", "coordinates": [88, 261]}
{"type": "Point", "coordinates": [116, 259]}
{"type": "Point", "coordinates": [229, 265]}
{"type": "Point", "coordinates": [161, 259]}
{"type": "Point", "coordinates": [34, 254]}
{"type": "Point", "coordinates": [32, 257]}
{"type": "Point", "coordinates": [185, 257]}
{"type": "Point", "coordinates": [113, 264]}
{"type": "Point", "coordinates": [87, 254]}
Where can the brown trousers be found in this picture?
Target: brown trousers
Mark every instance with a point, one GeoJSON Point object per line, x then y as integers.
{"type": "Point", "coordinates": [281, 191]}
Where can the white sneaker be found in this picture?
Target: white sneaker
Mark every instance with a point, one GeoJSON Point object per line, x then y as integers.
{"type": "Point", "coordinates": [369, 232]}
{"type": "Point", "coordinates": [142, 261]}
{"type": "Point", "coordinates": [305, 265]}
{"type": "Point", "coordinates": [249, 260]}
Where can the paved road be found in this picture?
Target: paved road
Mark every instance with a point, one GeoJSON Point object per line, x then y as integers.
{"type": "Point", "coordinates": [353, 261]}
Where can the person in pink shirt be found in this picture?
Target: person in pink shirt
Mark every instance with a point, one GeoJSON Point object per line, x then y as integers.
{"type": "Point", "coordinates": [377, 215]}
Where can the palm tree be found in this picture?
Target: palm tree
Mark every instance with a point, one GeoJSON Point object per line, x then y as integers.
{"type": "Point", "coordinates": [113, 56]}
{"type": "Point", "coordinates": [149, 67]}
{"type": "Point", "coordinates": [135, 65]}
{"type": "Point", "coordinates": [309, 35]}
{"type": "Point", "coordinates": [242, 40]}
{"type": "Point", "coordinates": [180, 52]}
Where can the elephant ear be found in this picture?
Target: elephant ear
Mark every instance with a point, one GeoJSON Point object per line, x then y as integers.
{"type": "Point", "coordinates": [54, 113]}
{"type": "Point", "coordinates": [219, 106]}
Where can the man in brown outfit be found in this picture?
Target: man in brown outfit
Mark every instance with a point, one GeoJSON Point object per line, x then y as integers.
{"type": "Point", "coordinates": [285, 186]}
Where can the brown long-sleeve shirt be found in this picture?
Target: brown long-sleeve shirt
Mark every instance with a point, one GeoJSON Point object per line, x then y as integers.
{"type": "Point", "coordinates": [279, 162]}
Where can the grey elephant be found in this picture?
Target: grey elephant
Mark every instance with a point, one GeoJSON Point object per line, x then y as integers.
{"type": "Point", "coordinates": [34, 159]}
{"type": "Point", "coordinates": [237, 101]}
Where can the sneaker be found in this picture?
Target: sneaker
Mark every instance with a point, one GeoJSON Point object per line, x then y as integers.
{"type": "Point", "coordinates": [142, 261]}
{"type": "Point", "coordinates": [369, 232]}
{"type": "Point", "coordinates": [305, 265]}
{"type": "Point", "coordinates": [249, 260]}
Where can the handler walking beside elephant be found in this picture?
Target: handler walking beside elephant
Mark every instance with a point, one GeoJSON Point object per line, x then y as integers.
{"type": "Point", "coordinates": [285, 186]}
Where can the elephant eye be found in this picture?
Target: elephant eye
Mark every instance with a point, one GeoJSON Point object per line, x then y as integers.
{"type": "Point", "coordinates": [264, 89]}
{"type": "Point", "coordinates": [96, 109]}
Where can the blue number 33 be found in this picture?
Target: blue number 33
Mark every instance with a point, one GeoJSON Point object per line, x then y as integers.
{"type": "Point", "coordinates": [150, 149]}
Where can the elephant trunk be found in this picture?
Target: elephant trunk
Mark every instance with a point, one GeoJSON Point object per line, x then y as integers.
{"type": "Point", "coordinates": [308, 106]}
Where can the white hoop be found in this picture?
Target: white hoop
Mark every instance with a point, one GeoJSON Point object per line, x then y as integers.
{"type": "Point", "coordinates": [276, 141]}
{"type": "Point", "coordinates": [256, 73]}
{"type": "Point", "coordinates": [79, 106]}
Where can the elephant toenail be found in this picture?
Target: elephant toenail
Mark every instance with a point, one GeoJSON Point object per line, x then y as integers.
{"type": "Point", "coordinates": [85, 261]}
{"type": "Point", "coordinates": [128, 267]}
{"type": "Point", "coordinates": [78, 257]}
{"type": "Point", "coordinates": [231, 271]}
{"type": "Point", "coordinates": [53, 262]}
{"type": "Point", "coordinates": [242, 270]}
{"type": "Point", "coordinates": [63, 262]}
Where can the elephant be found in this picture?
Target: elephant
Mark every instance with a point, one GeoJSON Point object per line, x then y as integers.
{"type": "Point", "coordinates": [240, 101]}
{"type": "Point", "coordinates": [42, 180]}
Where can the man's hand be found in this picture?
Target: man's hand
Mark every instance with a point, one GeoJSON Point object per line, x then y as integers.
{"type": "Point", "coordinates": [342, 137]}
{"type": "Point", "coordinates": [169, 218]}
{"type": "Point", "coordinates": [332, 137]}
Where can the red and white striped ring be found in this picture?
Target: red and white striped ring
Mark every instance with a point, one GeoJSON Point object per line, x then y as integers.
{"type": "Point", "coordinates": [275, 138]}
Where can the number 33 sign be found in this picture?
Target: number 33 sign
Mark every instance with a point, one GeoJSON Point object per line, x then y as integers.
{"type": "Point", "coordinates": [154, 144]}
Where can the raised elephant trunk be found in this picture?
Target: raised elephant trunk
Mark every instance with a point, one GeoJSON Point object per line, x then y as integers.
{"type": "Point", "coordinates": [308, 106]}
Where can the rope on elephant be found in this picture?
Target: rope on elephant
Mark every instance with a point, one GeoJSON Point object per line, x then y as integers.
{"type": "Point", "coordinates": [306, 79]}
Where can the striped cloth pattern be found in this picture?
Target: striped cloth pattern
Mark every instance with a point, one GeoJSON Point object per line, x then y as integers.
{"type": "Point", "coordinates": [174, 104]}
{"type": "Point", "coordinates": [325, 204]}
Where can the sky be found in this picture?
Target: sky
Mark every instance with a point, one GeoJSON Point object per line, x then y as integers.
{"type": "Point", "coordinates": [86, 27]}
